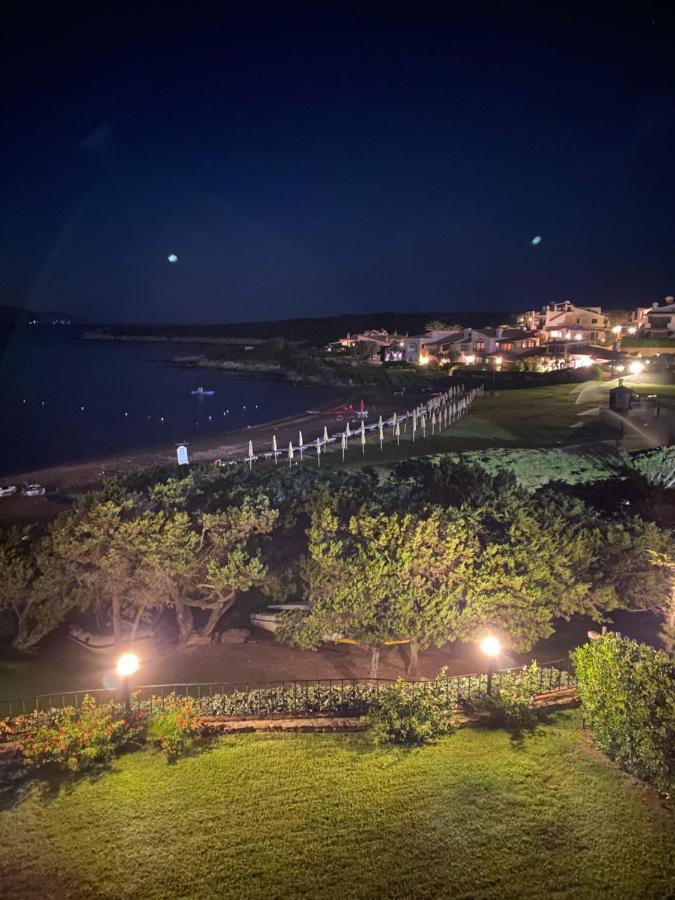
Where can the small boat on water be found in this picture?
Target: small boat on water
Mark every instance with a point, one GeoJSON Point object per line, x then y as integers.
{"type": "Point", "coordinates": [104, 643]}
{"type": "Point", "coordinates": [6, 490]}
{"type": "Point", "coordinates": [201, 392]}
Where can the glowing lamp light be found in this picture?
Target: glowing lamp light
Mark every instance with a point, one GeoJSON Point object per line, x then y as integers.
{"type": "Point", "coordinates": [172, 258]}
{"type": "Point", "coordinates": [490, 645]}
{"type": "Point", "coordinates": [632, 329]}
{"type": "Point", "coordinates": [470, 359]}
{"type": "Point", "coordinates": [498, 360]}
{"type": "Point", "coordinates": [636, 367]}
{"type": "Point", "coordinates": [620, 368]}
{"type": "Point", "coordinates": [577, 336]}
{"type": "Point", "coordinates": [616, 329]}
{"type": "Point", "coordinates": [127, 664]}
{"type": "Point", "coordinates": [424, 360]}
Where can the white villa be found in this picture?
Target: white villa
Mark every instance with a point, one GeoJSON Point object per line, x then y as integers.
{"type": "Point", "coordinates": [566, 321]}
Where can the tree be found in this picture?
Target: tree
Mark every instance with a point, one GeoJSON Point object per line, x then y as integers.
{"type": "Point", "coordinates": [381, 578]}
{"type": "Point", "coordinates": [123, 559]}
{"type": "Point", "coordinates": [440, 325]}
{"type": "Point", "coordinates": [33, 608]}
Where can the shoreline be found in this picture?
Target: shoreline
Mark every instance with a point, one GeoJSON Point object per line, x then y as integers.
{"type": "Point", "coordinates": [69, 480]}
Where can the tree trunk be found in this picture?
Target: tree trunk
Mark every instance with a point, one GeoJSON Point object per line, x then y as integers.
{"type": "Point", "coordinates": [184, 621]}
{"type": "Point", "coordinates": [137, 621]}
{"type": "Point", "coordinates": [412, 658]}
{"type": "Point", "coordinates": [117, 618]}
{"type": "Point", "coordinates": [215, 615]}
{"type": "Point", "coordinates": [374, 662]}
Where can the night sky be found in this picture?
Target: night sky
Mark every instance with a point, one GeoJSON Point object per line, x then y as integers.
{"type": "Point", "coordinates": [316, 163]}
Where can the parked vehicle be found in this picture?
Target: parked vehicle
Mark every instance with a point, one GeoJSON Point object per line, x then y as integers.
{"type": "Point", "coordinates": [6, 490]}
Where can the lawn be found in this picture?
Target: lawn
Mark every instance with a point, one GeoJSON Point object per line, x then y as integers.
{"type": "Point", "coordinates": [561, 415]}
{"type": "Point", "coordinates": [479, 814]}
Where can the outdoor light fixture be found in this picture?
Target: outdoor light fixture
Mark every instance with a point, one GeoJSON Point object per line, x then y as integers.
{"type": "Point", "coordinates": [127, 665]}
{"type": "Point", "coordinates": [616, 329]}
{"type": "Point", "coordinates": [636, 367]}
{"type": "Point", "coordinates": [632, 330]}
{"type": "Point", "coordinates": [498, 360]}
{"type": "Point", "coordinates": [577, 337]}
{"type": "Point", "coordinates": [491, 647]}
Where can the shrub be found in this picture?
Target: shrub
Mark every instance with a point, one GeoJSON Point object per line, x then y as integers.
{"type": "Point", "coordinates": [411, 713]}
{"type": "Point", "coordinates": [510, 703]}
{"type": "Point", "coordinates": [173, 724]}
{"type": "Point", "coordinates": [627, 691]}
{"type": "Point", "coordinates": [76, 739]}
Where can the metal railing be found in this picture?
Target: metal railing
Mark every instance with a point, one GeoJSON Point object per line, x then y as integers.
{"type": "Point", "coordinates": [309, 697]}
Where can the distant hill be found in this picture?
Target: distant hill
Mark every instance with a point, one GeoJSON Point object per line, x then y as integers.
{"type": "Point", "coordinates": [314, 330]}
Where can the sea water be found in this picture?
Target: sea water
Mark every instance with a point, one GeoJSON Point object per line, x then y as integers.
{"type": "Point", "coordinates": [63, 399]}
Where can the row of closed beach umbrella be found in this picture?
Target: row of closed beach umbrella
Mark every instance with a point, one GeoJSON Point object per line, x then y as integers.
{"type": "Point", "coordinates": [430, 418]}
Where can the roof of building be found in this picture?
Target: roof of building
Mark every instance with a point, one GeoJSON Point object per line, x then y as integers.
{"type": "Point", "coordinates": [655, 310]}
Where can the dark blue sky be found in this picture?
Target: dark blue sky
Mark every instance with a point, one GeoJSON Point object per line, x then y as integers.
{"type": "Point", "coordinates": [313, 163]}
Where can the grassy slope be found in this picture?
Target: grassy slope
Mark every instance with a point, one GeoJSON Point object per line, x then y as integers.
{"type": "Point", "coordinates": [477, 815]}
{"type": "Point", "coordinates": [553, 416]}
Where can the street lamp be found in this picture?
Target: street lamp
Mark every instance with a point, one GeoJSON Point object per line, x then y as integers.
{"type": "Point", "coordinates": [127, 665]}
{"type": "Point", "coordinates": [491, 647]}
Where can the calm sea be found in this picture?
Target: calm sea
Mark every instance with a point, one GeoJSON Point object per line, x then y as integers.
{"type": "Point", "coordinates": [64, 400]}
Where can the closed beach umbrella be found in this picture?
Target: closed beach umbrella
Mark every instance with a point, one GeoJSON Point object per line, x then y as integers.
{"type": "Point", "coordinates": [250, 454]}
{"type": "Point", "coordinates": [343, 445]}
{"type": "Point", "coordinates": [300, 443]}
{"type": "Point", "coordinates": [380, 428]}
{"type": "Point", "coordinates": [348, 431]}
{"type": "Point", "coordinates": [274, 448]}
{"type": "Point", "coordinates": [397, 432]}
{"type": "Point", "coordinates": [363, 437]}
{"type": "Point", "coordinates": [325, 434]}
{"type": "Point", "coordinates": [318, 451]}
{"type": "Point", "coordinates": [290, 453]}
{"type": "Point", "coordinates": [394, 423]}
{"type": "Point", "coordinates": [433, 422]}
{"type": "Point", "coordinates": [423, 423]}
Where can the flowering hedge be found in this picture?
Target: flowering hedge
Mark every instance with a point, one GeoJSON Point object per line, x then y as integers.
{"type": "Point", "coordinates": [77, 739]}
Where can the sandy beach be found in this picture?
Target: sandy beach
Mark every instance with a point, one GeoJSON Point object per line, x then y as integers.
{"type": "Point", "coordinates": [65, 482]}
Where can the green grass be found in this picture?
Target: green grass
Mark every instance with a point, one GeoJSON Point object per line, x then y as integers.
{"type": "Point", "coordinates": [476, 815]}
{"type": "Point", "coordinates": [559, 415]}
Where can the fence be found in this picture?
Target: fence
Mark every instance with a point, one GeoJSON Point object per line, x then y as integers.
{"type": "Point", "coordinates": [331, 696]}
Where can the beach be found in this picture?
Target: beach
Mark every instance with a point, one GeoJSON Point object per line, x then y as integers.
{"type": "Point", "coordinates": [68, 481]}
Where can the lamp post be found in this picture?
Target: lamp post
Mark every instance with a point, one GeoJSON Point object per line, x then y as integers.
{"type": "Point", "coordinates": [127, 665]}
{"type": "Point", "coordinates": [491, 647]}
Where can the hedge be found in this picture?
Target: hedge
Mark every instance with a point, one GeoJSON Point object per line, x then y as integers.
{"type": "Point", "coordinates": [627, 691]}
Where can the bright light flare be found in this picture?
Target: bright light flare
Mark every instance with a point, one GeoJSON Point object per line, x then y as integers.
{"type": "Point", "coordinates": [636, 367]}
{"type": "Point", "coordinates": [172, 258]}
{"type": "Point", "coordinates": [616, 329]}
{"type": "Point", "coordinates": [490, 645]}
{"type": "Point", "coordinates": [127, 664]}
{"type": "Point", "coordinates": [632, 329]}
